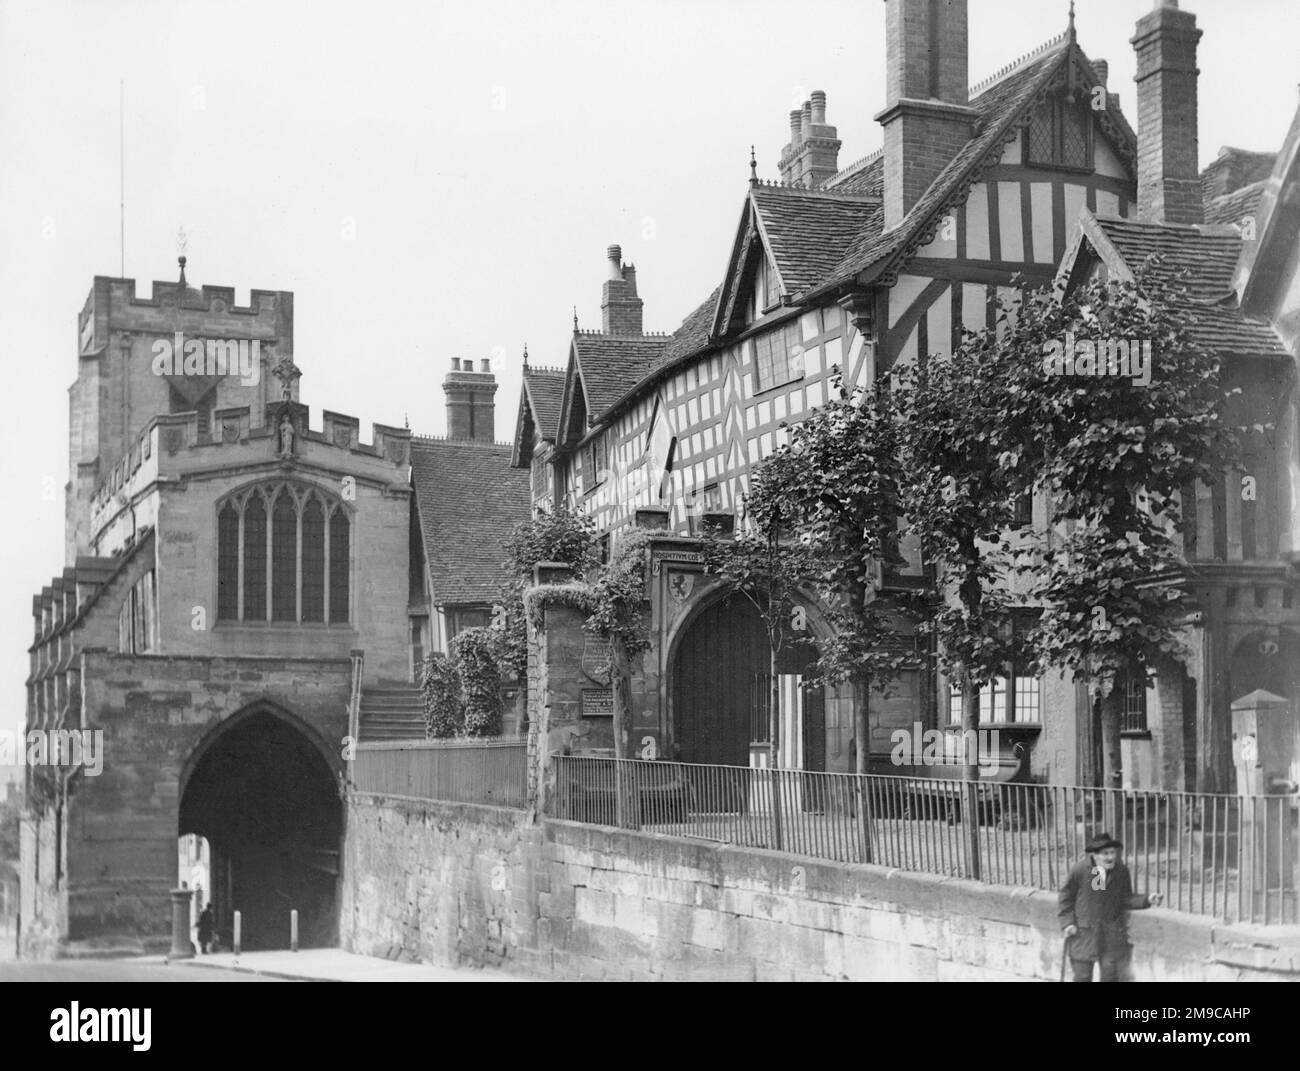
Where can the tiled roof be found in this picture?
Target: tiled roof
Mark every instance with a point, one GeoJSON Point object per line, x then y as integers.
{"type": "Point", "coordinates": [545, 390]}
{"type": "Point", "coordinates": [866, 177]}
{"type": "Point", "coordinates": [610, 366]}
{"type": "Point", "coordinates": [692, 335]}
{"type": "Point", "coordinates": [1208, 259]}
{"type": "Point", "coordinates": [469, 499]}
{"type": "Point", "coordinates": [1232, 208]}
{"type": "Point", "coordinates": [809, 231]}
{"type": "Point", "coordinates": [1202, 263]}
{"type": "Point", "coordinates": [1234, 168]}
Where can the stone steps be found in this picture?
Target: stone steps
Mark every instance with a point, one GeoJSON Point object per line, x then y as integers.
{"type": "Point", "coordinates": [392, 712]}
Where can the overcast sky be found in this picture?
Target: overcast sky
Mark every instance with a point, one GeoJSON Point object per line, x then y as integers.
{"type": "Point", "coordinates": [486, 154]}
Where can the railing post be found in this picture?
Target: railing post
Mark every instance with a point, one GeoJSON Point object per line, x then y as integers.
{"type": "Point", "coordinates": [293, 930]}
{"type": "Point", "coordinates": [238, 931]}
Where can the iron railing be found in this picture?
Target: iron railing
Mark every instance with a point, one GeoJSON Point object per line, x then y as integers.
{"type": "Point", "coordinates": [490, 771]}
{"type": "Point", "coordinates": [1230, 857]}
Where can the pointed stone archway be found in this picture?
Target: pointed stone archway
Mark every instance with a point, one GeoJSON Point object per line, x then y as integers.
{"type": "Point", "coordinates": [263, 789]}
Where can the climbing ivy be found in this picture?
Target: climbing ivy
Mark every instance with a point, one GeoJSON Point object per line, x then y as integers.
{"type": "Point", "coordinates": [444, 709]}
{"type": "Point", "coordinates": [474, 653]}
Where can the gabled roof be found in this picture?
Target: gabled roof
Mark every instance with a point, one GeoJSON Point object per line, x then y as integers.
{"type": "Point", "coordinates": [602, 368]}
{"type": "Point", "coordinates": [865, 177]}
{"type": "Point", "coordinates": [540, 402]}
{"type": "Point", "coordinates": [1003, 106]}
{"type": "Point", "coordinates": [1200, 260]}
{"type": "Point", "coordinates": [469, 498]}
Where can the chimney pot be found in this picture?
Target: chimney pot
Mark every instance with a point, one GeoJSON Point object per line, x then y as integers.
{"type": "Point", "coordinates": [1103, 70]}
{"type": "Point", "coordinates": [818, 107]}
{"type": "Point", "coordinates": [796, 122]}
{"type": "Point", "coordinates": [805, 121]}
{"type": "Point", "coordinates": [455, 364]}
{"type": "Point", "coordinates": [485, 365]}
{"type": "Point", "coordinates": [615, 255]}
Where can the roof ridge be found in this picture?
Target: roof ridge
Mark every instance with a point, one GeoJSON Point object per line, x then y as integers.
{"type": "Point", "coordinates": [457, 442]}
{"type": "Point", "coordinates": [643, 336]}
{"type": "Point", "coordinates": [822, 191]}
{"type": "Point", "coordinates": [1015, 65]}
{"type": "Point", "coordinates": [547, 368]}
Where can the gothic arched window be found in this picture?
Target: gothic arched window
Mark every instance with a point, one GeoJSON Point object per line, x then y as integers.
{"type": "Point", "coordinates": [283, 554]}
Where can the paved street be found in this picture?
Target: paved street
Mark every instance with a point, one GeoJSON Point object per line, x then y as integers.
{"type": "Point", "coordinates": [115, 970]}
{"type": "Point", "coordinates": [320, 965]}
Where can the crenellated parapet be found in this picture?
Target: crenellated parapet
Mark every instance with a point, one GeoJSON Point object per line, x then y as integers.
{"type": "Point", "coordinates": [176, 446]}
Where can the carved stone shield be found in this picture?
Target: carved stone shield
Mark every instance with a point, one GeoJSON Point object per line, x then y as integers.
{"type": "Point", "coordinates": [597, 660]}
{"type": "Point", "coordinates": [680, 585]}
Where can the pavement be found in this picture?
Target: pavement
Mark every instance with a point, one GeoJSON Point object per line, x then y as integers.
{"type": "Point", "coordinates": [331, 965]}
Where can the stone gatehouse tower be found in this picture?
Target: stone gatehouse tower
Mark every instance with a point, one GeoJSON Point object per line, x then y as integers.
{"type": "Point", "coordinates": [227, 564]}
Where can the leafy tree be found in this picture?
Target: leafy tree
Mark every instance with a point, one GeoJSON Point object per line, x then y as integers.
{"type": "Point", "coordinates": [960, 496]}
{"type": "Point", "coordinates": [1114, 452]}
{"type": "Point", "coordinates": [839, 483]}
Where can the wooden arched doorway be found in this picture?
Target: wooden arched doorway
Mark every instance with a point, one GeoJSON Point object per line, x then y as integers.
{"type": "Point", "coordinates": [721, 691]}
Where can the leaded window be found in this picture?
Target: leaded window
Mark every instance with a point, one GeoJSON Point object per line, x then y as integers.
{"type": "Point", "coordinates": [284, 555]}
{"type": "Point", "coordinates": [1059, 134]}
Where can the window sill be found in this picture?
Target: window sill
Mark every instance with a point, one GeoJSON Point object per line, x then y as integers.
{"type": "Point", "coordinates": [778, 386]}
{"type": "Point", "coordinates": [282, 626]}
{"type": "Point", "coordinates": [1135, 734]}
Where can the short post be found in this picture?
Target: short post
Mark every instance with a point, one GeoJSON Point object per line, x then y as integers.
{"type": "Point", "coordinates": [182, 946]}
{"type": "Point", "coordinates": [293, 930]}
{"type": "Point", "coordinates": [238, 930]}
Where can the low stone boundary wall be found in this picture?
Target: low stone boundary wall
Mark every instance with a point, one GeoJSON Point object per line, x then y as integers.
{"type": "Point", "coordinates": [464, 884]}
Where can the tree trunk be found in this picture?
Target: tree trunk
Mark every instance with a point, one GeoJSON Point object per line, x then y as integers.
{"type": "Point", "coordinates": [774, 730]}
{"type": "Point", "coordinates": [624, 805]}
{"type": "Point", "coordinates": [862, 764]}
{"type": "Point", "coordinates": [1112, 770]}
{"type": "Point", "coordinates": [970, 804]}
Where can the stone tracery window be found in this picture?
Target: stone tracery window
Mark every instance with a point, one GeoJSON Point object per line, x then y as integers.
{"type": "Point", "coordinates": [283, 555]}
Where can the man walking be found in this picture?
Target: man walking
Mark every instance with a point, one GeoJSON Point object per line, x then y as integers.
{"type": "Point", "coordinates": [1095, 901]}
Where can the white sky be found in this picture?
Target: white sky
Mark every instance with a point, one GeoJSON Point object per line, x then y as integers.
{"type": "Point", "coordinates": [488, 152]}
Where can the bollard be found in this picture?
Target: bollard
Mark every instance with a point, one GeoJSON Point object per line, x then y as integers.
{"type": "Point", "coordinates": [293, 930]}
{"type": "Point", "coordinates": [238, 921]}
{"type": "Point", "coordinates": [182, 946]}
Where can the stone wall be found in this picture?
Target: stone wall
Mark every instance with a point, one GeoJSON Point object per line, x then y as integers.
{"type": "Point", "coordinates": [456, 884]}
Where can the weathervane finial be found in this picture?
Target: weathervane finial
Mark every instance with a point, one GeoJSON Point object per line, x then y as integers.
{"type": "Point", "coordinates": [182, 244]}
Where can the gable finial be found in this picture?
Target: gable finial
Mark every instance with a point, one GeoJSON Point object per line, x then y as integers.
{"type": "Point", "coordinates": [753, 167]}
{"type": "Point", "coordinates": [525, 356]}
{"type": "Point", "coordinates": [575, 319]}
{"type": "Point", "coordinates": [1069, 31]}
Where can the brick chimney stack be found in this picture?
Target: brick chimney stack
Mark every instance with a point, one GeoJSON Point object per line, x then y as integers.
{"type": "Point", "coordinates": [471, 411]}
{"type": "Point", "coordinates": [1169, 184]}
{"type": "Point", "coordinates": [927, 119]}
{"type": "Point", "coordinates": [620, 308]}
{"type": "Point", "coordinates": [814, 149]}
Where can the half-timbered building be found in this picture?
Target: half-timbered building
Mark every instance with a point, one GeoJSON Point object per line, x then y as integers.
{"type": "Point", "coordinates": [848, 272]}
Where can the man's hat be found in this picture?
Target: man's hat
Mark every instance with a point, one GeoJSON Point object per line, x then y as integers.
{"type": "Point", "coordinates": [1101, 841]}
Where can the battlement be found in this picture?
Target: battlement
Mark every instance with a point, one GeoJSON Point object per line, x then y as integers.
{"type": "Point", "coordinates": [114, 305]}
{"type": "Point", "coordinates": [173, 445]}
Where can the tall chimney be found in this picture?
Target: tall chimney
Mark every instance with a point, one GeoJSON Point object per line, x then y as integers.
{"type": "Point", "coordinates": [620, 308]}
{"type": "Point", "coordinates": [1169, 184]}
{"type": "Point", "coordinates": [811, 157]}
{"type": "Point", "coordinates": [927, 120]}
{"type": "Point", "coordinates": [471, 410]}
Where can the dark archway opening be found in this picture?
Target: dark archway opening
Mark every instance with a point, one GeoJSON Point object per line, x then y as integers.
{"type": "Point", "coordinates": [267, 802]}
